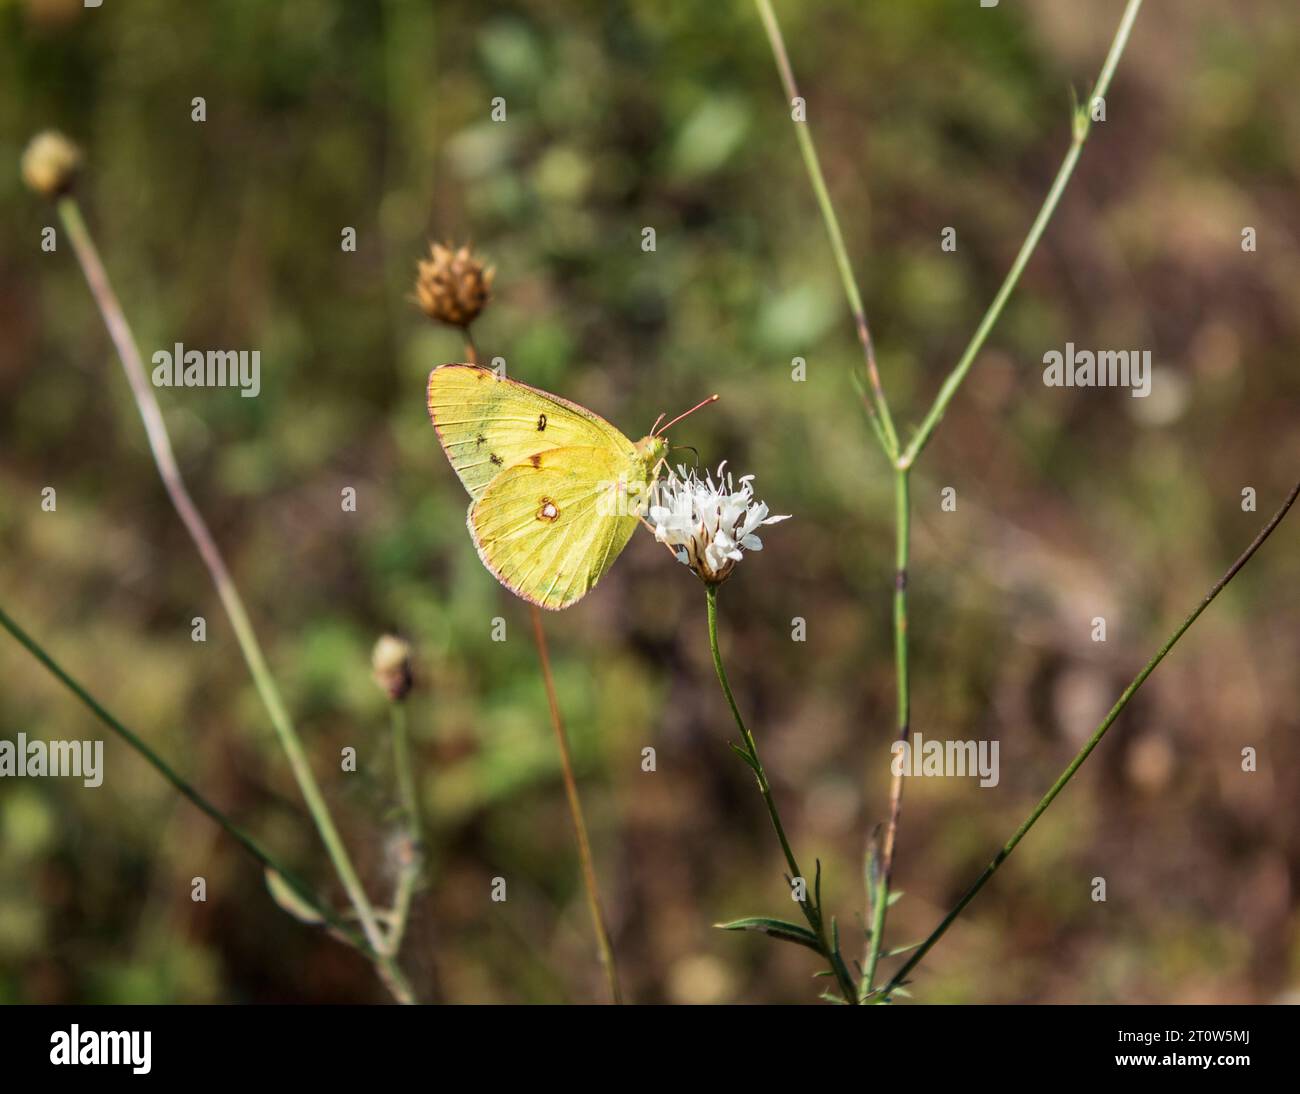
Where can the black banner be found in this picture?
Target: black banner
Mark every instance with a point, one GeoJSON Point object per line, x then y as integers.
{"type": "Point", "coordinates": [338, 1044]}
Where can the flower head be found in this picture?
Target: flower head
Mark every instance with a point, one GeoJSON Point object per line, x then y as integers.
{"type": "Point", "coordinates": [708, 524]}
{"type": "Point", "coordinates": [50, 163]}
{"type": "Point", "coordinates": [453, 286]}
{"type": "Point", "coordinates": [391, 662]}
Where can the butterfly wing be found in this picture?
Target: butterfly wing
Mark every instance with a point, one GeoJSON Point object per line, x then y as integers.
{"type": "Point", "coordinates": [487, 423]}
{"type": "Point", "coordinates": [549, 527]}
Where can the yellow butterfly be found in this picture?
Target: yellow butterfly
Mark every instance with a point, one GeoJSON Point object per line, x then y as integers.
{"type": "Point", "coordinates": [557, 491]}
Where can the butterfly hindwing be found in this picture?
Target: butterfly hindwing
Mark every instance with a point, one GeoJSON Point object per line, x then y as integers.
{"type": "Point", "coordinates": [488, 423]}
{"type": "Point", "coordinates": [550, 526]}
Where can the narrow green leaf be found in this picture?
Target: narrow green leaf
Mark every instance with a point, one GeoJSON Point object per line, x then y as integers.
{"type": "Point", "coordinates": [744, 755]}
{"type": "Point", "coordinates": [776, 928]}
{"type": "Point", "coordinates": [831, 997]}
{"type": "Point", "coordinates": [894, 898]}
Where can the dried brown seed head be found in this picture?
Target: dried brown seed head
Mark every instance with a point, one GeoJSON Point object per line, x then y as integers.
{"type": "Point", "coordinates": [453, 286]}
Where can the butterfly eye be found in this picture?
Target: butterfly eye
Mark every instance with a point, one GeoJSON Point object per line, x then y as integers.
{"type": "Point", "coordinates": [548, 512]}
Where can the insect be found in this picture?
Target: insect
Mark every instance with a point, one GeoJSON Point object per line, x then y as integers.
{"type": "Point", "coordinates": [556, 491]}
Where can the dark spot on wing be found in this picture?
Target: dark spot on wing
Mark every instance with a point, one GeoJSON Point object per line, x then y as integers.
{"type": "Point", "coordinates": [535, 459]}
{"type": "Point", "coordinates": [548, 511]}
{"type": "Point", "coordinates": [541, 423]}
{"type": "Point", "coordinates": [495, 459]}
{"type": "Point", "coordinates": [479, 439]}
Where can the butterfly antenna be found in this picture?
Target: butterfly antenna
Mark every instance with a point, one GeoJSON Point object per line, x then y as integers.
{"type": "Point", "coordinates": [662, 429]}
{"type": "Point", "coordinates": [656, 425]}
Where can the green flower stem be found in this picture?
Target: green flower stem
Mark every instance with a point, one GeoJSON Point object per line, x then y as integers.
{"type": "Point", "coordinates": [880, 898]}
{"type": "Point", "coordinates": [160, 444]}
{"type": "Point", "coordinates": [410, 869]}
{"type": "Point", "coordinates": [585, 857]}
{"type": "Point", "coordinates": [811, 909]}
{"type": "Point", "coordinates": [401, 914]}
{"type": "Point", "coordinates": [1081, 128]}
{"type": "Point", "coordinates": [402, 764]}
{"type": "Point", "coordinates": [877, 405]}
{"type": "Point", "coordinates": [1093, 741]}
{"type": "Point", "coordinates": [187, 790]}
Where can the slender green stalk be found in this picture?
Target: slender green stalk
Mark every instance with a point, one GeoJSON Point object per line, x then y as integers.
{"type": "Point", "coordinates": [877, 405]}
{"type": "Point", "coordinates": [403, 767]}
{"type": "Point", "coordinates": [1092, 742]}
{"type": "Point", "coordinates": [902, 536]}
{"type": "Point", "coordinates": [575, 811]}
{"type": "Point", "coordinates": [186, 789]}
{"type": "Point", "coordinates": [410, 867]}
{"type": "Point", "coordinates": [401, 914]}
{"type": "Point", "coordinates": [811, 907]}
{"type": "Point", "coordinates": [1082, 126]}
{"type": "Point", "coordinates": [160, 445]}
{"type": "Point", "coordinates": [585, 857]}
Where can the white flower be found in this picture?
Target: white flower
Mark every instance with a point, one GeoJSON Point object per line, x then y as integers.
{"type": "Point", "coordinates": [709, 524]}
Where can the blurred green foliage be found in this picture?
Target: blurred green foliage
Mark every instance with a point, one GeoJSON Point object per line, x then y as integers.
{"type": "Point", "coordinates": [323, 114]}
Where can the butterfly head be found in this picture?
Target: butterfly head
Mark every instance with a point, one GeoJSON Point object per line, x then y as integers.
{"type": "Point", "coordinates": [652, 450]}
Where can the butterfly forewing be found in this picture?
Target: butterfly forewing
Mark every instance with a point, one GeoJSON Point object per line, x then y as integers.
{"type": "Point", "coordinates": [487, 423]}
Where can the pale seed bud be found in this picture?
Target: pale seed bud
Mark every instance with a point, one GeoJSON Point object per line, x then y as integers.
{"type": "Point", "coordinates": [391, 662]}
{"type": "Point", "coordinates": [50, 163]}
